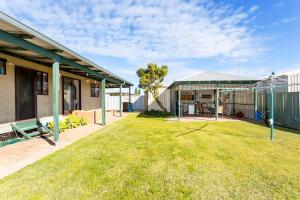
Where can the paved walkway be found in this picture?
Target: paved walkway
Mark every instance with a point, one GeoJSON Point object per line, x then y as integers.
{"type": "Point", "coordinates": [16, 156]}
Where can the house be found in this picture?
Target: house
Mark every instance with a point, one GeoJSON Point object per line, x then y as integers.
{"type": "Point", "coordinates": [291, 78]}
{"type": "Point", "coordinates": [40, 77]}
{"type": "Point", "coordinates": [285, 82]}
{"type": "Point", "coordinates": [197, 94]}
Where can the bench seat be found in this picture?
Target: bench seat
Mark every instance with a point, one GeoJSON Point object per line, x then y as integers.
{"type": "Point", "coordinates": [29, 128]}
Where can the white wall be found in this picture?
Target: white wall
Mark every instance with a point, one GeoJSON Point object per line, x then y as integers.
{"type": "Point", "coordinates": [294, 82]}
{"type": "Point", "coordinates": [164, 97]}
{"type": "Point", "coordinates": [113, 102]}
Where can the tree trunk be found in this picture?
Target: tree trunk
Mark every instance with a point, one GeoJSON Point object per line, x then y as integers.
{"type": "Point", "coordinates": [160, 105]}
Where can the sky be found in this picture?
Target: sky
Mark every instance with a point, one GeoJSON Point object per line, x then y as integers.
{"type": "Point", "coordinates": [249, 38]}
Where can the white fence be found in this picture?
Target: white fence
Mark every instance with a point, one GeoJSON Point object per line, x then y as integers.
{"type": "Point", "coordinates": [113, 102]}
{"type": "Point", "coordinates": [138, 102]}
{"type": "Point", "coordinates": [164, 97]}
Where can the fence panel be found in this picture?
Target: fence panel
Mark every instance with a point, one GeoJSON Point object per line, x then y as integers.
{"type": "Point", "coordinates": [286, 108]}
{"type": "Point", "coordinates": [113, 102]}
{"type": "Point", "coordinates": [138, 102]}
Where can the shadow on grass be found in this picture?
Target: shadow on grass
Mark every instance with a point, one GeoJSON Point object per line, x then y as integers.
{"type": "Point", "coordinates": [192, 131]}
{"type": "Point", "coordinates": [160, 114]}
{"type": "Point", "coordinates": [245, 136]}
{"type": "Point", "coordinates": [154, 114]}
{"type": "Point", "coordinates": [277, 127]}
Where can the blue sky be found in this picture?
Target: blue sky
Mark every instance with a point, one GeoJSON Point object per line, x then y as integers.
{"type": "Point", "coordinates": [251, 38]}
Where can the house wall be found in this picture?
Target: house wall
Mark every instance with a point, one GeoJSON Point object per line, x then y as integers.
{"type": "Point", "coordinates": [294, 82]}
{"type": "Point", "coordinates": [44, 102]}
{"type": "Point", "coordinates": [7, 94]}
{"type": "Point", "coordinates": [289, 82]}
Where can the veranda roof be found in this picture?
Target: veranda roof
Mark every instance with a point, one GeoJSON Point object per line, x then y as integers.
{"type": "Point", "coordinates": [19, 40]}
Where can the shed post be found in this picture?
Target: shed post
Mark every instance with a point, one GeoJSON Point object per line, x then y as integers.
{"type": "Point", "coordinates": [233, 102]}
{"type": "Point", "coordinates": [120, 106]}
{"type": "Point", "coordinates": [217, 103]}
{"type": "Point", "coordinates": [195, 101]}
{"type": "Point", "coordinates": [55, 77]}
{"type": "Point", "coordinates": [103, 101]}
{"type": "Point", "coordinates": [272, 107]}
{"type": "Point", "coordinates": [179, 104]}
{"type": "Point", "coordinates": [129, 100]}
{"type": "Point", "coordinates": [129, 91]}
{"type": "Point", "coordinates": [255, 104]}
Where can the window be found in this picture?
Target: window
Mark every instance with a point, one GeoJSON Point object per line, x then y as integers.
{"type": "Point", "coordinates": [95, 90]}
{"type": "Point", "coordinates": [42, 83]}
{"type": "Point", "coordinates": [187, 97]}
{"type": "Point", "coordinates": [45, 83]}
{"type": "Point", "coordinates": [2, 66]}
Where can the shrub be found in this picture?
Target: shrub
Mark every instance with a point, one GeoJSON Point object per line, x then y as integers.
{"type": "Point", "coordinates": [83, 121]}
{"type": "Point", "coordinates": [72, 121]}
{"type": "Point", "coordinates": [62, 126]}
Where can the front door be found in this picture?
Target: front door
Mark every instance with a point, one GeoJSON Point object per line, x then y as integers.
{"type": "Point", "coordinates": [71, 95]}
{"type": "Point", "coordinates": [25, 94]}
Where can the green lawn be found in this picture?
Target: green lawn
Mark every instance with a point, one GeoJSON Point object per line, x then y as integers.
{"type": "Point", "coordinates": [148, 158]}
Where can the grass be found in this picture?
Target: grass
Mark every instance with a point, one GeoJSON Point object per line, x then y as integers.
{"type": "Point", "coordinates": [150, 158]}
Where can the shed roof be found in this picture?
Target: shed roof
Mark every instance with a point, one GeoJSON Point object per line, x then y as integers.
{"type": "Point", "coordinates": [215, 76]}
{"type": "Point", "coordinates": [209, 77]}
{"type": "Point", "coordinates": [15, 30]}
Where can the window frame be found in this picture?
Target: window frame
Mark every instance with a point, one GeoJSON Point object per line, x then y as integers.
{"type": "Point", "coordinates": [93, 90]}
{"type": "Point", "coordinates": [44, 79]}
{"type": "Point", "coordinates": [4, 66]}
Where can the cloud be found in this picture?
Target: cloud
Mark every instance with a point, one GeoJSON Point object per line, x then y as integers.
{"type": "Point", "coordinates": [252, 72]}
{"type": "Point", "coordinates": [279, 4]}
{"type": "Point", "coordinates": [290, 68]}
{"type": "Point", "coordinates": [286, 20]}
{"type": "Point", "coordinates": [142, 31]}
{"type": "Point", "coordinates": [253, 9]}
{"type": "Point", "coordinates": [291, 19]}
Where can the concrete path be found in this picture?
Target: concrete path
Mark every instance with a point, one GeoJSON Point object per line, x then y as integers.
{"type": "Point", "coordinates": [16, 156]}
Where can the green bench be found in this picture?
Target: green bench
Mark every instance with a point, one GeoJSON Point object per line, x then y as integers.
{"type": "Point", "coordinates": [29, 128]}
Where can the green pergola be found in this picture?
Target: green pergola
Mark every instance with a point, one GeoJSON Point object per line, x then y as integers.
{"type": "Point", "coordinates": [19, 40]}
{"type": "Point", "coordinates": [217, 85]}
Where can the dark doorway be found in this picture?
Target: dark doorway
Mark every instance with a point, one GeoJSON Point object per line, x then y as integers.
{"type": "Point", "coordinates": [71, 95]}
{"type": "Point", "coordinates": [25, 93]}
